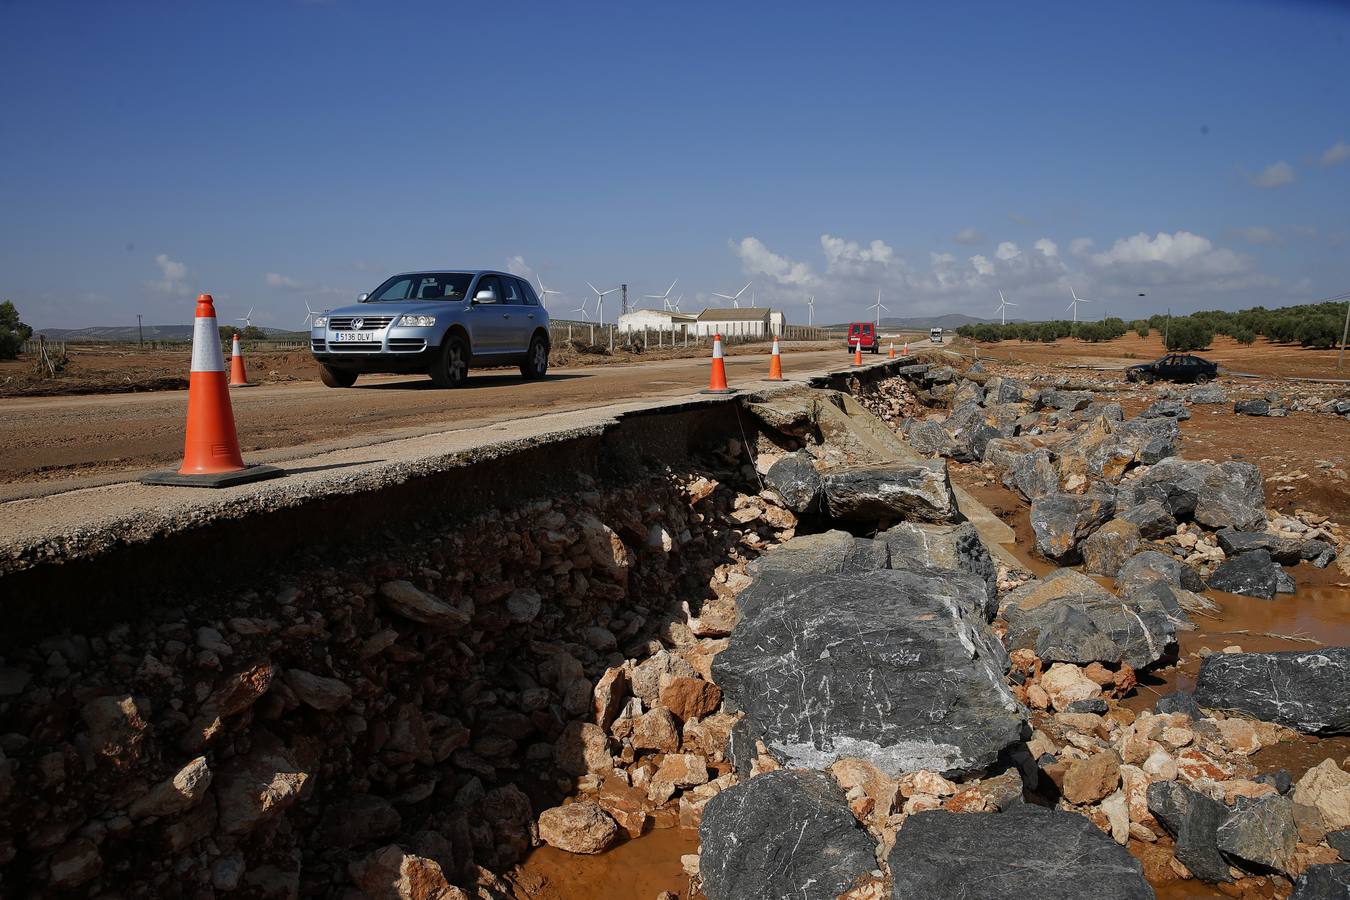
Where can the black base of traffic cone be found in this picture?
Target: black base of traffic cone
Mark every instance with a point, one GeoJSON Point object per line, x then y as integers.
{"type": "Point", "coordinates": [218, 480]}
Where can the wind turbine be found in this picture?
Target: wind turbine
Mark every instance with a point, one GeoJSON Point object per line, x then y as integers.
{"type": "Point", "coordinates": [811, 310]}
{"type": "Point", "coordinates": [664, 298]}
{"type": "Point", "coordinates": [585, 316]}
{"type": "Point", "coordinates": [600, 300]}
{"type": "Point", "coordinates": [544, 292]}
{"type": "Point", "coordinates": [247, 318]}
{"type": "Point", "coordinates": [1074, 305]}
{"type": "Point", "coordinates": [734, 298]}
{"type": "Point", "coordinates": [309, 314]}
{"type": "Point", "coordinates": [877, 308]}
{"type": "Point", "coordinates": [1003, 307]}
{"type": "Point", "coordinates": [674, 305]}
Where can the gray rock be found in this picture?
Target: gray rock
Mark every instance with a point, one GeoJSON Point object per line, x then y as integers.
{"type": "Point", "coordinates": [1284, 582]}
{"type": "Point", "coordinates": [1260, 834]}
{"type": "Point", "coordinates": [1251, 574]}
{"type": "Point", "coordinates": [880, 495]}
{"type": "Point", "coordinates": [1178, 702]}
{"type": "Point", "coordinates": [968, 392]}
{"type": "Point", "coordinates": [1001, 389]}
{"type": "Point", "coordinates": [1340, 842]}
{"type": "Point", "coordinates": [1032, 475]}
{"type": "Point", "coordinates": [1060, 521]}
{"type": "Point", "coordinates": [1176, 600]}
{"type": "Point", "coordinates": [1307, 691]}
{"type": "Point", "coordinates": [1111, 411]}
{"type": "Point", "coordinates": [929, 438]}
{"type": "Point", "coordinates": [784, 834]}
{"type": "Point", "coordinates": [1205, 394]}
{"type": "Point", "coordinates": [1151, 440]}
{"type": "Point", "coordinates": [1170, 409]}
{"type": "Point", "coordinates": [1027, 851]}
{"type": "Point", "coordinates": [955, 548]}
{"type": "Point", "coordinates": [965, 428]}
{"type": "Point", "coordinates": [1254, 407]}
{"type": "Point", "coordinates": [1230, 494]}
{"type": "Point", "coordinates": [941, 375]}
{"type": "Point", "coordinates": [1069, 401]}
{"type": "Point", "coordinates": [1284, 550]}
{"type": "Point", "coordinates": [1109, 547]}
{"type": "Point", "coordinates": [899, 669]}
{"type": "Point", "coordinates": [1152, 517]}
{"type": "Point", "coordinates": [1082, 622]}
{"type": "Point", "coordinates": [796, 480]}
{"type": "Point", "coordinates": [1193, 820]}
{"type": "Point", "coordinates": [830, 551]}
{"type": "Point", "coordinates": [1150, 564]}
{"type": "Point", "coordinates": [1330, 881]}
{"type": "Point", "coordinates": [1096, 706]}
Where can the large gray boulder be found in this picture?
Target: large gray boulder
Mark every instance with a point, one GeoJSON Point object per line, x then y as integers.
{"type": "Point", "coordinates": [1153, 564]}
{"type": "Point", "coordinates": [1109, 547]}
{"type": "Point", "coordinates": [1227, 495]}
{"type": "Point", "coordinates": [881, 495]}
{"type": "Point", "coordinates": [968, 433]}
{"type": "Point", "coordinates": [1069, 401]}
{"type": "Point", "coordinates": [898, 668]}
{"type": "Point", "coordinates": [796, 480]}
{"type": "Point", "coordinates": [1169, 409]}
{"type": "Point", "coordinates": [1033, 475]}
{"type": "Point", "coordinates": [1260, 834]}
{"type": "Point", "coordinates": [1001, 389]}
{"type": "Point", "coordinates": [1330, 881]}
{"type": "Point", "coordinates": [1152, 517]}
{"type": "Point", "coordinates": [1252, 574]}
{"type": "Point", "coordinates": [1028, 851]}
{"type": "Point", "coordinates": [956, 548]}
{"type": "Point", "coordinates": [929, 438]}
{"type": "Point", "coordinates": [1281, 549]}
{"type": "Point", "coordinates": [1068, 617]}
{"type": "Point", "coordinates": [1060, 521]}
{"type": "Point", "coordinates": [1193, 820]}
{"type": "Point", "coordinates": [829, 551]}
{"type": "Point", "coordinates": [1308, 691]}
{"type": "Point", "coordinates": [784, 834]}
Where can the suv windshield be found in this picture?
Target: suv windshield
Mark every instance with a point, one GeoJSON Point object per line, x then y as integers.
{"type": "Point", "coordinates": [424, 286]}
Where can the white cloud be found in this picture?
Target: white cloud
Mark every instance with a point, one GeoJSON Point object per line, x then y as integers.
{"type": "Point", "coordinates": [1182, 257]}
{"type": "Point", "coordinates": [285, 282]}
{"type": "Point", "coordinates": [1047, 247]}
{"type": "Point", "coordinates": [1081, 246]}
{"type": "Point", "coordinates": [1007, 250]}
{"type": "Point", "coordinates": [516, 265]}
{"type": "Point", "coordinates": [173, 276]}
{"type": "Point", "coordinates": [1307, 231]}
{"type": "Point", "coordinates": [1336, 154]}
{"type": "Point", "coordinates": [1274, 175]}
{"type": "Point", "coordinates": [1259, 234]}
{"type": "Point", "coordinates": [758, 259]}
{"type": "Point", "coordinates": [968, 236]}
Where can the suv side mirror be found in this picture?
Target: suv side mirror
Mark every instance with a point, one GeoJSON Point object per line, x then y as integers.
{"type": "Point", "coordinates": [485, 296]}
{"type": "Point", "coordinates": [363, 298]}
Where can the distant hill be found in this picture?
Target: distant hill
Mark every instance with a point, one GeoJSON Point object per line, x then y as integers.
{"type": "Point", "coordinates": [129, 333]}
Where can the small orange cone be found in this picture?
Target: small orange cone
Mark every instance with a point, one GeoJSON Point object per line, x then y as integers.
{"type": "Point", "coordinates": [891, 354]}
{"type": "Point", "coordinates": [857, 352]}
{"type": "Point", "coordinates": [238, 377]}
{"type": "Point", "coordinates": [211, 456]}
{"type": "Point", "coordinates": [717, 383]}
{"type": "Point", "coordinates": [775, 362]}
{"type": "Point", "coordinates": [905, 352]}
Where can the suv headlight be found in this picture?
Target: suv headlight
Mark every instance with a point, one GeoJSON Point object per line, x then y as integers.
{"type": "Point", "coordinates": [418, 321]}
{"type": "Point", "coordinates": [320, 321]}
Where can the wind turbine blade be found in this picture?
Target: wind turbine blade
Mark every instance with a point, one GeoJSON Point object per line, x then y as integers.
{"type": "Point", "coordinates": [672, 287]}
{"type": "Point", "coordinates": [592, 287]}
{"type": "Point", "coordinates": [723, 296]}
{"type": "Point", "coordinates": [743, 290]}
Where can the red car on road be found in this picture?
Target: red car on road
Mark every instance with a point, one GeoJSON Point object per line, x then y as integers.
{"type": "Point", "coordinates": [866, 334]}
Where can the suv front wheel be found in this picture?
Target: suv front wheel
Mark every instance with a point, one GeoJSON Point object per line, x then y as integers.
{"type": "Point", "coordinates": [336, 378]}
{"type": "Point", "coordinates": [452, 366]}
{"type": "Point", "coordinates": [536, 360]}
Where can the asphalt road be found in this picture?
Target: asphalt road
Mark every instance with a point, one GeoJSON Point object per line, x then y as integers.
{"type": "Point", "coordinates": [92, 439]}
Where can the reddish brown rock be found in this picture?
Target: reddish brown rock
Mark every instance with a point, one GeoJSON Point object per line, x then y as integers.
{"type": "Point", "coordinates": [656, 730]}
{"type": "Point", "coordinates": [1089, 780]}
{"type": "Point", "coordinates": [690, 698]}
{"type": "Point", "coordinates": [578, 828]}
{"type": "Point", "coordinates": [116, 729]}
{"type": "Point", "coordinates": [392, 873]}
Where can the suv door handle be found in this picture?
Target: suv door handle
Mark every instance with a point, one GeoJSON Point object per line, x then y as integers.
{"type": "Point", "coordinates": [506, 315]}
{"type": "Point", "coordinates": [531, 315]}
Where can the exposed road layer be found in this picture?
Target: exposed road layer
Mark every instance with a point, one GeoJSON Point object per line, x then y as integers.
{"type": "Point", "coordinates": [90, 440]}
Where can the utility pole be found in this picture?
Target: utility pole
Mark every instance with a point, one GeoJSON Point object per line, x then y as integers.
{"type": "Point", "coordinates": [1167, 327]}
{"type": "Point", "coordinates": [1345, 332]}
{"type": "Point", "coordinates": [625, 297]}
{"type": "Point", "coordinates": [140, 335]}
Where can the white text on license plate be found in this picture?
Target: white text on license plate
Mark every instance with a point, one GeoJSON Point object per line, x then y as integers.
{"type": "Point", "coordinates": [356, 337]}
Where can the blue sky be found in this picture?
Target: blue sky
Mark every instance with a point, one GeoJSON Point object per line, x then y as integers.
{"type": "Point", "coordinates": [278, 153]}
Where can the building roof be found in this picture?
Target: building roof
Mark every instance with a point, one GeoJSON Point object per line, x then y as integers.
{"type": "Point", "coordinates": [744, 314]}
{"type": "Point", "coordinates": [673, 315]}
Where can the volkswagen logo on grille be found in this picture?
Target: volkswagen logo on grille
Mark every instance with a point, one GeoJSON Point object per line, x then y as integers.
{"type": "Point", "coordinates": [357, 323]}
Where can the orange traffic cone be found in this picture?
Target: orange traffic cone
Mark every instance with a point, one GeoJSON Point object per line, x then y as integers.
{"type": "Point", "coordinates": [211, 456]}
{"type": "Point", "coordinates": [775, 362]}
{"type": "Point", "coordinates": [717, 383]}
{"type": "Point", "coordinates": [891, 354]}
{"type": "Point", "coordinates": [905, 352]}
{"type": "Point", "coordinates": [238, 377]}
{"type": "Point", "coordinates": [857, 353]}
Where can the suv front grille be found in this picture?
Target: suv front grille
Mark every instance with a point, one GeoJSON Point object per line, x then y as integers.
{"type": "Point", "coordinates": [368, 323]}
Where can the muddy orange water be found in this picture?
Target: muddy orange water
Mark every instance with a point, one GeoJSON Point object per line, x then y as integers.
{"type": "Point", "coordinates": [1319, 614]}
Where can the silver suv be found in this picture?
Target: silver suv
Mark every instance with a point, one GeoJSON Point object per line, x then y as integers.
{"type": "Point", "coordinates": [435, 323]}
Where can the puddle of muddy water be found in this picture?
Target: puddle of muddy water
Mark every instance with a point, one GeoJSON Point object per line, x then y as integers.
{"type": "Point", "coordinates": [639, 869]}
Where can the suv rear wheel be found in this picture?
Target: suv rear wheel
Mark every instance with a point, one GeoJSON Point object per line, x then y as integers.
{"type": "Point", "coordinates": [452, 366]}
{"type": "Point", "coordinates": [1202, 379]}
{"type": "Point", "coordinates": [536, 360]}
{"type": "Point", "coordinates": [336, 378]}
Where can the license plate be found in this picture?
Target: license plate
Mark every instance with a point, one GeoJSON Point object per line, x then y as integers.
{"type": "Point", "coordinates": [356, 337]}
